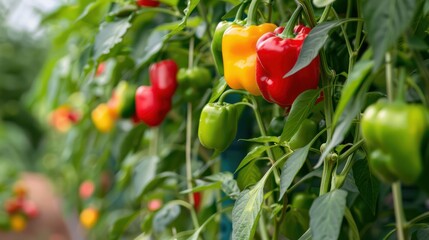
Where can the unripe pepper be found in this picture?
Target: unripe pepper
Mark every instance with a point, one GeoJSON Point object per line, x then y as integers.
{"type": "Point", "coordinates": [275, 57]}
{"type": "Point", "coordinates": [103, 118]}
{"type": "Point", "coordinates": [304, 135]}
{"type": "Point", "coordinates": [122, 101]}
{"type": "Point", "coordinates": [150, 107]}
{"type": "Point", "coordinates": [216, 46]}
{"type": "Point", "coordinates": [163, 77]}
{"type": "Point", "coordinates": [193, 82]}
{"type": "Point", "coordinates": [218, 125]}
{"type": "Point", "coordinates": [395, 134]}
{"type": "Point", "coordinates": [239, 55]}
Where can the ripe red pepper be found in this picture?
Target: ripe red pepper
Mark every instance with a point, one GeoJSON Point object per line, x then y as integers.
{"type": "Point", "coordinates": [150, 107]}
{"type": "Point", "coordinates": [163, 76]}
{"type": "Point", "coordinates": [275, 57]}
{"type": "Point", "coordinates": [148, 3]}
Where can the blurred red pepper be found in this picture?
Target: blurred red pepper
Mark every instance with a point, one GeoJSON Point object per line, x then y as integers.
{"type": "Point", "coordinates": [150, 107]}
{"type": "Point", "coordinates": [163, 76]}
{"type": "Point", "coordinates": [148, 3]}
{"type": "Point", "coordinates": [277, 54]}
{"type": "Point", "coordinates": [63, 117]}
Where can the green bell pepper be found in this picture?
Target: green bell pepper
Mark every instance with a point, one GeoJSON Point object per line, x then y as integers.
{"type": "Point", "coordinates": [395, 134]}
{"type": "Point", "coordinates": [218, 125]}
{"type": "Point", "coordinates": [305, 133]}
{"type": "Point", "coordinates": [216, 46]}
{"type": "Point", "coordinates": [193, 82]}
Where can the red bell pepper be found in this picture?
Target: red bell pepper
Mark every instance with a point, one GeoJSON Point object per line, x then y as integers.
{"type": "Point", "coordinates": [275, 57]}
{"type": "Point", "coordinates": [150, 107]}
{"type": "Point", "coordinates": [163, 76]}
{"type": "Point", "coordinates": [148, 3]}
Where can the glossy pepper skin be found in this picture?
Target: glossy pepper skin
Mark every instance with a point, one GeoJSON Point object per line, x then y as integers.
{"type": "Point", "coordinates": [304, 135]}
{"type": "Point", "coordinates": [150, 107]}
{"type": "Point", "coordinates": [103, 118]}
{"type": "Point", "coordinates": [395, 134]}
{"type": "Point", "coordinates": [276, 57]}
{"type": "Point", "coordinates": [163, 77]}
{"type": "Point", "coordinates": [148, 3]}
{"type": "Point", "coordinates": [239, 55]}
{"type": "Point", "coordinates": [193, 82]}
{"type": "Point", "coordinates": [216, 46]}
{"type": "Point", "coordinates": [122, 101]}
{"type": "Point", "coordinates": [218, 125]}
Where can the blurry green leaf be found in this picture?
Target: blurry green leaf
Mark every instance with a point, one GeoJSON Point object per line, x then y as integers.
{"type": "Point", "coordinates": [165, 216]}
{"type": "Point", "coordinates": [367, 184]}
{"type": "Point", "coordinates": [153, 45]}
{"type": "Point", "coordinates": [230, 188]}
{"type": "Point", "coordinates": [262, 139]}
{"type": "Point", "coordinates": [192, 4]}
{"type": "Point", "coordinates": [170, 2]}
{"type": "Point", "coordinates": [143, 172]}
{"type": "Point", "coordinates": [120, 220]}
{"type": "Point", "coordinates": [255, 153]}
{"type": "Point", "coordinates": [110, 34]}
{"type": "Point", "coordinates": [131, 140]}
{"type": "Point", "coordinates": [192, 23]}
{"type": "Point", "coordinates": [386, 21]}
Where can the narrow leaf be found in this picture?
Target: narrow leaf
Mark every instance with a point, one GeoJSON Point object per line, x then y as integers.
{"type": "Point", "coordinates": [354, 81]}
{"type": "Point", "coordinates": [313, 43]}
{"type": "Point", "coordinates": [263, 139]}
{"type": "Point", "coordinates": [218, 89]}
{"type": "Point", "coordinates": [143, 173]}
{"type": "Point", "coordinates": [292, 167]}
{"type": "Point", "coordinates": [192, 4]}
{"type": "Point", "coordinates": [326, 215]}
{"type": "Point", "coordinates": [299, 111]}
{"type": "Point", "coordinates": [252, 155]}
{"type": "Point", "coordinates": [386, 21]}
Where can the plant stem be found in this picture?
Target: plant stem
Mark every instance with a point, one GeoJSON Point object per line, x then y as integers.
{"type": "Point", "coordinates": [188, 152]}
{"type": "Point", "coordinates": [399, 211]}
{"type": "Point", "coordinates": [325, 14]}
{"type": "Point", "coordinates": [222, 97]}
{"type": "Point", "coordinates": [352, 149]}
{"type": "Point", "coordinates": [263, 228]}
{"type": "Point", "coordinates": [252, 13]}
{"type": "Point", "coordinates": [389, 79]}
{"type": "Point", "coordinates": [264, 133]}
{"type": "Point", "coordinates": [270, 10]}
{"type": "Point", "coordinates": [328, 166]}
{"type": "Point", "coordinates": [288, 31]}
{"type": "Point", "coordinates": [309, 13]}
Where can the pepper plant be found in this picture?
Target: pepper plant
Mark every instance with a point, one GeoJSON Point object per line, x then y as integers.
{"type": "Point", "coordinates": [335, 100]}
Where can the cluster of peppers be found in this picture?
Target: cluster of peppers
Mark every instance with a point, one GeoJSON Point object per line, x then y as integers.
{"type": "Point", "coordinates": [396, 135]}
{"type": "Point", "coordinates": [148, 104]}
{"type": "Point", "coordinates": [20, 209]}
{"type": "Point", "coordinates": [257, 57]}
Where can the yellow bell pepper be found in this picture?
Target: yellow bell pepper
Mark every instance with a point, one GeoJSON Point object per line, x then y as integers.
{"type": "Point", "coordinates": [103, 117]}
{"type": "Point", "coordinates": [239, 55]}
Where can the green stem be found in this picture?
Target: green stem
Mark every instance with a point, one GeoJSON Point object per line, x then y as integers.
{"type": "Point", "coordinates": [264, 133]}
{"type": "Point", "coordinates": [309, 13]}
{"type": "Point", "coordinates": [190, 208]}
{"type": "Point", "coordinates": [352, 224]}
{"type": "Point", "coordinates": [419, 218]}
{"type": "Point", "coordinates": [389, 80]}
{"type": "Point", "coordinates": [346, 39]}
{"type": "Point", "coordinates": [326, 176]}
{"type": "Point", "coordinates": [270, 10]}
{"type": "Point", "coordinates": [399, 211]}
{"type": "Point", "coordinates": [327, 76]}
{"type": "Point", "coordinates": [281, 11]}
{"type": "Point", "coordinates": [253, 15]}
{"type": "Point", "coordinates": [230, 91]}
{"type": "Point", "coordinates": [188, 152]}
{"type": "Point", "coordinates": [351, 150]}
{"type": "Point", "coordinates": [191, 53]}
{"type": "Point", "coordinates": [240, 11]}
{"type": "Point", "coordinates": [263, 228]}
{"type": "Point", "coordinates": [288, 31]}
{"type": "Point", "coordinates": [325, 14]}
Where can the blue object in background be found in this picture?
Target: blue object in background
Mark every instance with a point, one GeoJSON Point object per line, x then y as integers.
{"type": "Point", "coordinates": [231, 158]}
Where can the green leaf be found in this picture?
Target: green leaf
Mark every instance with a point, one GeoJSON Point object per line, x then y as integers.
{"type": "Point", "coordinates": [248, 175]}
{"type": "Point", "coordinates": [354, 81]}
{"type": "Point", "coordinates": [252, 155]}
{"type": "Point", "coordinates": [262, 139]}
{"type": "Point", "coordinates": [301, 107]}
{"type": "Point", "coordinates": [313, 43]}
{"type": "Point", "coordinates": [306, 235]}
{"type": "Point", "coordinates": [353, 108]}
{"type": "Point", "coordinates": [245, 213]}
{"type": "Point", "coordinates": [192, 4]}
{"type": "Point", "coordinates": [110, 34]}
{"type": "Point", "coordinates": [120, 220]}
{"type": "Point", "coordinates": [192, 22]}
{"type": "Point", "coordinates": [326, 215]}
{"type": "Point", "coordinates": [292, 167]}
{"type": "Point", "coordinates": [165, 216]}
{"type": "Point", "coordinates": [197, 232]}
{"type": "Point", "coordinates": [232, 13]}
{"type": "Point", "coordinates": [131, 140]}
{"type": "Point", "coordinates": [322, 3]}
{"type": "Point", "coordinates": [421, 234]}
{"type": "Point", "coordinates": [231, 188]}
{"type": "Point", "coordinates": [143, 173]}
{"type": "Point", "coordinates": [386, 21]}
{"type": "Point", "coordinates": [218, 89]}
{"type": "Point", "coordinates": [153, 45]}
{"type": "Point", "coordinates": [203, 187]}
{"type": "Point", "coordinates": [367, 184]}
